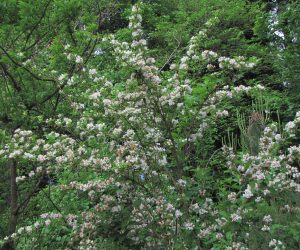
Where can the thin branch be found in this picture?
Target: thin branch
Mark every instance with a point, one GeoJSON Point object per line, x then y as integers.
{"type": "Point", "coordinates": [211, 157]}
{"type": "Point", "coordinates": [27, 70]}
{"type": "Point", "coordinates": [169, 59]}
{"type": "Point", "coordinates": [14, 81]}
{"type": "Point", "coordinates": [27, 199]}
{"type": "Point", "coordinates": [38, 22]}
{"type": "Point", "coordinates": [55, 206]}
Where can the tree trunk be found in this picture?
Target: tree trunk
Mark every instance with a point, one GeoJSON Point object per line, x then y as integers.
{"type": "Point", "coordinates": [13, 203]}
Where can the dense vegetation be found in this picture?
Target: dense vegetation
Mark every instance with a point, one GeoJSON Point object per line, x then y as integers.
{"type": "Point", "coordinates": [149, 125]}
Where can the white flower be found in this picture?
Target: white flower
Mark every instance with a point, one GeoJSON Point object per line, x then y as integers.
{"type": "Point", "coordinates": [250, 65]}
{"type": "Point", "coordinates": [106, 102]}
{"type": "Point", "coordinates": [163, 161]}
{"type": "Point", "coordinates": [267, 219]}
{"type": "Point", "coordinates": [178, 214]}
{"type": "Point", "coordinates": [134, 8]}
{"type": "Point", "coordinates": [290, 126]}
{"type": "Point", "coordinates": [92, 72]}
{"type": "Point", "coordinates": [278, 137]}
{"type": "Point", "coordinates": [265, 228]}
{"type": "Point", "coordinates": [28, 155]}
{"type": "Point", "coordinates": [248, 194]}
{"type": "Point", "coordinates": [258, 199]}
{"type": "Point", "coordinates": [275, 243]}
{"type": "Point", "coordinates": [222, 113]}
{"type": "Point", "coordinates": [183, 66]}
{"type": "Point", "coordinates": [20, 178]}
{"type": "Point", "coordinates": [235, 217]}
{"type": "Point", "coordinates": [95, 95]}
{"type": "Point", "coordinates": [173, 66]}
{"type": "Point", "coordinates": [28, 229]}
{"type": "Point", "coordinates": [78, 59]}
{"type": "Point", "coordinates": [41, 158]}
{"type": "Point", "coordinates": [135, 34]}
{"type": "Point", "coordinates": [240, 168]}
{"type": "Point", "coordinates": [181, 182]}
{"type": "Point", "coordinates": [210, 66]}
{"type": "Point", "coordinates": [20, 230]}
{"type": "Point", "coordinates": [116, 209]}
{"type": "Point", "coordinates": [36, 224]}
{"type": "Point", "coordinates": [62, 77]}
{"type": "Point", "coordinates": [219, 236]}
{"type": "Point", "coordinates": [232, 61]}
{"type": "Point", "coordinates": [188, 226]}
{"type": "Point", "coordinates": [144, 42]}
{"type": "Point", "coordinates": [98, 52]}
{"type": "Point", "coordinates": [232, 197]}
{"type": "Point", "coordinates": [150, 60]}
{"type": "Point", "coordinates": [170, 207]}
{"type": "Point", "coordinates": [47, 222]}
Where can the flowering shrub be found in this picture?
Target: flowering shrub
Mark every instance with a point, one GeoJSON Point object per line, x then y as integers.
{"type": "Point", "coordinates": [129, 138]}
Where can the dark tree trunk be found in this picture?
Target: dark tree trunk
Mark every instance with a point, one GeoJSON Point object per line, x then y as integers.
{"type": "Point", "coordinates": [13, 203]}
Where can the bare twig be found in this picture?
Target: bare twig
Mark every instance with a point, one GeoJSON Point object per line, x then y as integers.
{"type": "Point", "coordinates": [169, 59]}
